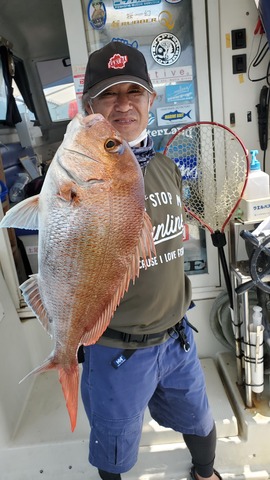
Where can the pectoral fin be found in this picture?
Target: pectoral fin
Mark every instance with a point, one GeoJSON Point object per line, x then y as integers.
{"type": "Point", "coordinates": [23, 215]}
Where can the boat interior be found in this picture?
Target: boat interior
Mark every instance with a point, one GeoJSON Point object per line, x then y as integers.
{"type": "Point", "coordinates": [42, 39]}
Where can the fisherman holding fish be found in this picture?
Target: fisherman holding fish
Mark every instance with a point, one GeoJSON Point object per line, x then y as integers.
{"type": "Point", "coordinates": [147, 355]}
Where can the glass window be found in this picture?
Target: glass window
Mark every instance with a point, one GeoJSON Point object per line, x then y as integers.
{"type": "Point", "coordinates": [3, 97]}
{"type": "Point", "coordinates": [58, 87]}
{"type": "Point", "coordinates": [22, 107]}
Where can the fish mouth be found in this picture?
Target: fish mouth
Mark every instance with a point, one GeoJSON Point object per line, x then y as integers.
{"type": "Point", "coordinates": [73, 176]}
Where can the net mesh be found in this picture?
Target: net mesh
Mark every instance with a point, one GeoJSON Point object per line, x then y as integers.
{"type": "Point", "coordinates": [213, 163]}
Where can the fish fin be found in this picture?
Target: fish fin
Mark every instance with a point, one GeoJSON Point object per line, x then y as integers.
{"type": "Point", "coordinates": [48, 364]}
{"type": "Point", "coordinates": [145, 248]}
{"type": "Point", "coordinates": [146, 242]}
{"type": "Point", "coordinates": [23, 215]}
{"type": "Point", "coordinates": [70, 384]}
{"type": "Point", "coordinates": [69, 379]}
{"type": "Point", "coordinates": [30, 290]}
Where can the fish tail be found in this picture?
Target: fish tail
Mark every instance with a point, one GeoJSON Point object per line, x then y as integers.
{"type": "Point", "coordinates": [69, 379]}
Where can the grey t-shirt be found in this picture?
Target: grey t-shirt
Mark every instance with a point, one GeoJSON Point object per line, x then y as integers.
{"type": "Point", "coordinates": [161, 295]}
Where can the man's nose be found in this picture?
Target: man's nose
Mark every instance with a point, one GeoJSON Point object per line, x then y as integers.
{"type": "Point", "coordinates": [122, 101]}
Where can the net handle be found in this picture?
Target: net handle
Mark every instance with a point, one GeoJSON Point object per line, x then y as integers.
{"type": "Point", "coordinates": [197, 124]}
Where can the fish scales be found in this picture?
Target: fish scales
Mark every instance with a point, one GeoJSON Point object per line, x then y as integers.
{"type": "Point", "coordinates": [93, 229]}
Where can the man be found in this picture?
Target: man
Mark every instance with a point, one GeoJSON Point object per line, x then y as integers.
{"type": "Point", "coordinates": [147, 356]}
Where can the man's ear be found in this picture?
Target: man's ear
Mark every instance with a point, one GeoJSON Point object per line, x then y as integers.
{"type": "Point", "coordinates": [151, 99]}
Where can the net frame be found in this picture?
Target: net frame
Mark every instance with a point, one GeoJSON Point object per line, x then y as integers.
{"type": "Point", "coordinates": [201, 177]}
{"type": "Point", "coordinates": [212, 188]}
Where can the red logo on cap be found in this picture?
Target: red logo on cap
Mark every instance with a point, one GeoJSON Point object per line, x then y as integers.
{"type": "Point", "coordinates": [117, 61]}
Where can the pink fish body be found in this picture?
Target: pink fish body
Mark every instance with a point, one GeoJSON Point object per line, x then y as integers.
{"type": "Point", "coordinates": [93, 230]}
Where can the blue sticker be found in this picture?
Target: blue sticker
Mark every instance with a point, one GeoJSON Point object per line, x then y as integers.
{"type": "Point", "coordinates": [176, 115]}
{"type": "Point", "coordinates": [181, 113]}
{"type": "Point", "coordinates": [97, 15]}
{"type": "Point", "coordinates": [134, 3]}
{"type": "Point", "coordinates": [133, 44]}
{"type": "Point", "coordinates": [179, 93]}
{"type": "Point", "coordinates": [151, 118]}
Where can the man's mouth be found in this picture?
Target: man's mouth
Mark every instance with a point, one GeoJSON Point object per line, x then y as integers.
{"type": "Point", "coordinates": [124, 121]}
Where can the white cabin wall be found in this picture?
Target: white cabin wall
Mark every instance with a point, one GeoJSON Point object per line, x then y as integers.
{"type": "Point", "coordinates": [23, 347]}
{"type": "Point", "coordinates": [235, 93]}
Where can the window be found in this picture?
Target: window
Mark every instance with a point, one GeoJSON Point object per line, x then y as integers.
{"type": "Point", "coordinates": [58, 86]}
{"type": "Point", "coordinates": [3, 96]}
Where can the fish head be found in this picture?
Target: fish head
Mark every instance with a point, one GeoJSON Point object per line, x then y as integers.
{"type": "Point", "coordinates": [93, 152]}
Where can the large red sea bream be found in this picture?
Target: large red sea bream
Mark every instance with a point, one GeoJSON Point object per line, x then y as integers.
{"type": "Point", "coordinates": [93, 229]}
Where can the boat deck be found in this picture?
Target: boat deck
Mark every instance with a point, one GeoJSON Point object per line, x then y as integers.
{"type": "Point", "coordinates": [44, 447]}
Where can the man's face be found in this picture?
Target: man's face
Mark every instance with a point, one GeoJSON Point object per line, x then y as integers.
{"type": "Point", "coordinates": [126, 107]}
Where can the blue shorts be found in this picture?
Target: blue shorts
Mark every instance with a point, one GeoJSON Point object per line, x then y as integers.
{"type": "Point", "coordinates": [165, 378]}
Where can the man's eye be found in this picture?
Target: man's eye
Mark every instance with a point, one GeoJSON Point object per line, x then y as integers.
{"type": "Point", "coordinates": [107, 94]}
{"type": "Point", "coordinates": [135, 91]}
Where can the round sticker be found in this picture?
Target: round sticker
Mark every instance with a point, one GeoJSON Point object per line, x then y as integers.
{"type": "Point", "coordinates": [173, 1]}
{"type": "Point", "coordinates": [96, 14]}
{"type": "Point", "coordinates": [166, 49]}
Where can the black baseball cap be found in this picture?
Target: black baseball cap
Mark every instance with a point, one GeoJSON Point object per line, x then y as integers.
{"type": "Point", "coordinates": [115, 63]}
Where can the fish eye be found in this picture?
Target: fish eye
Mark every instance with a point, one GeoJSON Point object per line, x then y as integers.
{"type": "Point", "coordinates": [113, 145]}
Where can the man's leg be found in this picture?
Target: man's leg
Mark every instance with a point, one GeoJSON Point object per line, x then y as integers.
{"type": "Point", "coordinates": [115, 401]}
{"type": "Point", "coordinates": [180, 402]}
{"type": "Point", "coordinates": [202, 450]}
{"type": "Point", "coordinates": [109, 476]}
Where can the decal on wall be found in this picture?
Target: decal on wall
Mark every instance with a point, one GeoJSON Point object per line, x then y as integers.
{"type": "Point", "coordinates": [96, 12]}
{"type": "Point", "coordinates": [182, 92]}
{"type": "Point", "coordinates": [134, 3]}
{"type": "Point", "coordinates": [166, 19]}
{"type": "Point", "coordinates": [151, 118]}
{"type": "Point", "coordinates": [131, 22]}
{"type": "Point", "coordinates": [177, 114]}
{"type": "Point", "coordinates": [134, 43]}
{"type": "Point", "coordinates": [166, 49]}
{"type": "Point", "coordinates": [171, 75]}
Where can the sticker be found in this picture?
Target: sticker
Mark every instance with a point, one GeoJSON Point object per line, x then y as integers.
{"type": "Point", "coordinates": [151, 118]}
{"type": "Point", "coordinates": [166, 49]}
{"type": "Point", "coordinates": [180, 114]}
{"type": "Point", "coordinates": [96, 14]}
{"type": "Point", "coordinates": [134, 21]}
{"type": "Point", "coordinates": [182, 92]}
{"type": "Point", "coordinates": [228, 40]}
{"type": "Point", "coordinates": [241, 78]}
{"type": "Point", "coordinates": [173, 1]}
{"type": "Point", "coordinates": [134, 3]}
{"type": "Point", "coordinates": [133, 44]}
{"type": "Point", "coordinates": [171, 75]}
{"type": "Point", "coordinates": [79, 83]}
{"type": "Point", "coordinates": [138, 14]}
{"type": "Point", "coordinates": [166, 19]}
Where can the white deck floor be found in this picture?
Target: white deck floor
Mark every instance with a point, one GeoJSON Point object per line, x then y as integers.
{"type": "Point", "coordinates": [45, 449]}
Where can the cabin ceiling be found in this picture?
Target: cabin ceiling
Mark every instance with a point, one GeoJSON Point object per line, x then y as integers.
{"type": "Point", "coordinates": [35, 27]}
